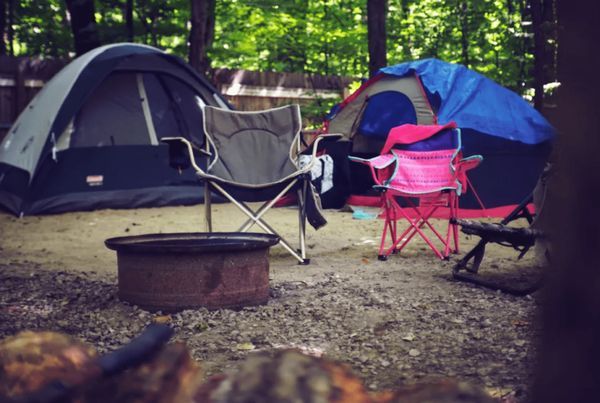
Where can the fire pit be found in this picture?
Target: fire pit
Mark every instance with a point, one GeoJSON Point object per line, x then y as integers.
{"type": "Point", "coordinates": [171, 272]}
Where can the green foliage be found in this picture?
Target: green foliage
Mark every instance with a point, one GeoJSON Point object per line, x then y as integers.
{"type": "Point", "coordinates": [327, 36]}
{"type": "Point", "coordinates": [313, 111]}
{"type": "Point", "coordinates": [42, 28]}
{"type": "Point", "coordinates": [498, 47]}
{"type": "Point", "coordinates": [308, 36]}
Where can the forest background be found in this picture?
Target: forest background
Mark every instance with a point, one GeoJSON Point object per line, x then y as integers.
{"type": "Point", "coordinates": [510, 41]}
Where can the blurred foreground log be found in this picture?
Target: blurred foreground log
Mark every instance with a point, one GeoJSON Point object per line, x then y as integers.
{"type": "Point", "coordinates": [29, 361]}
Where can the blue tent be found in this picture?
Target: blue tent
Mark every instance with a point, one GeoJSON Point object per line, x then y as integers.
{"type": "Point", "coordinates": [514, 139]}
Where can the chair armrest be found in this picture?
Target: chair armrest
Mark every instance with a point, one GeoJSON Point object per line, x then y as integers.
{"type": "Point", "coordinates": [314, 147]}
{"type": "Point", "coordinates": [379, 167]}
{"type": "Point", "coordinates": [321, 138]}
{"type": "Point", "coordinates": [463, 165]}
{"type": "Point", "coordinates": [174, 140]}
{"type": "Point", "coordinates": [315, 137]}
{"type": "Point", "coordinates": [329, 136]}
{"type": "Point", "coordinates": [178, 145]}
{"type": "Point", "coordinates": [469, 162]}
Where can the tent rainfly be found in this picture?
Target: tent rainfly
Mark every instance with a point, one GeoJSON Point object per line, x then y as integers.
{"type": "Point", "coordinates": [91, 137]}
{"type": "Point", "coordinates": [513, 138]}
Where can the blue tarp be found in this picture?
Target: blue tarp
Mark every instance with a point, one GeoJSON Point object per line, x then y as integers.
{"type": "Point", "coordinates": [476, 102]}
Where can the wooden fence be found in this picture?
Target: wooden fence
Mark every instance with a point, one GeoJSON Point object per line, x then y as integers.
{"type": "Point", "coordinates": [21, 78]}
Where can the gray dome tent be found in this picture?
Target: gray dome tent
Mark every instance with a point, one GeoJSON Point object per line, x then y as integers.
{"type": "Point", "coordinates": [91, 137]}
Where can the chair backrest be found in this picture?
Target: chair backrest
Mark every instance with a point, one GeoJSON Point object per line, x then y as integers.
{"type": "Point", "coordinates": [253, 147]}
{"type": "Point", "coordinates": [420, 172]}
{"type": "Point", "coordinates": [409, 135]}
{"type": "Point", "coordinates": [428, 164]}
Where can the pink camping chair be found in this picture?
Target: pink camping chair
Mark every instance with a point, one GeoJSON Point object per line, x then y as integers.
{"type": "Point", "coordinates": [420, 173]}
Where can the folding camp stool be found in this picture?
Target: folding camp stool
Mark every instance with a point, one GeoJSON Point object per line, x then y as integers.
{"type": "Point", "coordinates": [419, 171]}
{"type": "Point", "coordinates": [253, 156]}
{"type": "Point", "coordinates": [519, 238]}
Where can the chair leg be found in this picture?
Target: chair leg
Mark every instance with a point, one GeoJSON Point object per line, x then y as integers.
{"type": "Point", "coordinates": [207, 207]}
{"type": "Point", "coordinates": [454, 213]}
{"type": "Point", "coordinates": [415, 228]}
{"type": "Point", "coordinates": [449, 242]}
{"type": "Point", "coordinates": [423, 219]}
{"type": "Point", "coordinates": [450, 235]}
{"type": "Point", "coordinates": [388, 225]}
{"type": "Point", "coordinates": [255, 217]}
{"type": "Point", "coordinates": [302, 193]}
{"type": "Point", "coordinates": [476, 254]}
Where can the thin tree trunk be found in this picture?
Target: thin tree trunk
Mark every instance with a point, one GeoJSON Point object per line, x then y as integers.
{"type": "Point", "coordinates": [549, 25]}
{"type": "Point", "coordinates": [10, 32]}
{"type": "Point", "coordinates": [538, 54]}
{"type": "Point", "coordinates": [302, 34]}
{"type": "Point", "coordinates": [129, 20]}
{"type": "Point", "coordinates": [523, 75]}
{"type": "Point", "coordinates": [464, 32]}
{"type": "Point", "coordinates": [201, 34]}
{"type": "Point", "coordinates": [3, 19]}
{"type": "Point", "coordinates": [509, 6]}
{"type": "Point", "coordinates": [83, 25]}
{"type": "Point", "coordinates": [377, 38]}
{"type": "Point", "coordinates": [326, 50]}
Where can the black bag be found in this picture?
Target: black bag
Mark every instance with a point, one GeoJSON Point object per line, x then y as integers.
{"type": "Point", "coordinates": [331, 174]}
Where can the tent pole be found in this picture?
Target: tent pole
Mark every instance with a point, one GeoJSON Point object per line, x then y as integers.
{"type": "Point", "coordinates": [146, 108]}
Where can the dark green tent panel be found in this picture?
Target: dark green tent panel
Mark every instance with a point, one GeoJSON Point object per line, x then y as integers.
{"type": "Point", "coordinates": [91, 138]}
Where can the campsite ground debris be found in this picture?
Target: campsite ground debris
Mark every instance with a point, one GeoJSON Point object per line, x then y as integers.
{"type": "Point", "coordinates": [306, 316]}
{"type": "Point", "coordinates": [393, 322]}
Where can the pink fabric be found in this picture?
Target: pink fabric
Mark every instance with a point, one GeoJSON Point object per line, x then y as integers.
{"type": "Point", "coordinates": [463, 166]}
{"type": "Point", "coordinates": [408, 134]}
{"type": "Point", "coordinates": [382, 167]}
{"type": "Point", "coordinates": [381, 161]}
{"type": "Point", "coordinates": [420, 172]}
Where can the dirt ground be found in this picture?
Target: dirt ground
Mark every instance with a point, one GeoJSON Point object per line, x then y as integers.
{"type": "Point", "coordinates": [393, 322]}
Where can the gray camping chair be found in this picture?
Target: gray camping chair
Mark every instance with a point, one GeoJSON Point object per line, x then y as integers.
{"type": "Point", "coordinates": [253, 156]}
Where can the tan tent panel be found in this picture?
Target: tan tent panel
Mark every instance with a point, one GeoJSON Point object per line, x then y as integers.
{"type": "Point", "coordinates": [347, 120]}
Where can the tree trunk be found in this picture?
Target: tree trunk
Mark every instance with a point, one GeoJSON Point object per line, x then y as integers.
{"type": "Point", "coordinates": [569, 355]}
{"type": "Point", "coordinates": [83, 25]}
{"type": "Point", "coordinates": [10, 33]}
{"type": "Point", "coordinates": [326, 44]}
{"type": "Point", "coordinates": [524, 45]}
{"type": "Point", "coordinates": [3, 24]}
{"type": "Point", "coordinates": [377, 37]}
{"type": "Point", "coordinates": [464, 32]}
{"type": "Point", "coordinates": [538, 54]}
{"type": "Point", "coordinates": [129, 20]}
{"type": "Point", "coordinates": [201, 34]}
{"type": "Point", "coordinates": [549, 25]}
{"type": "Point", "coordinates": [301, 34]}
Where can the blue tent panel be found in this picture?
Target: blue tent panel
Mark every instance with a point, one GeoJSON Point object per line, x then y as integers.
{"type": "Point", "coordinates": [386, 110]}
{"type": "Point", "coordinates": [476, 102]}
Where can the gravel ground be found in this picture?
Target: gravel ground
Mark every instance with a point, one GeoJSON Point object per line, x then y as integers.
{"type": "Point", "coordinates": [393, 322]}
